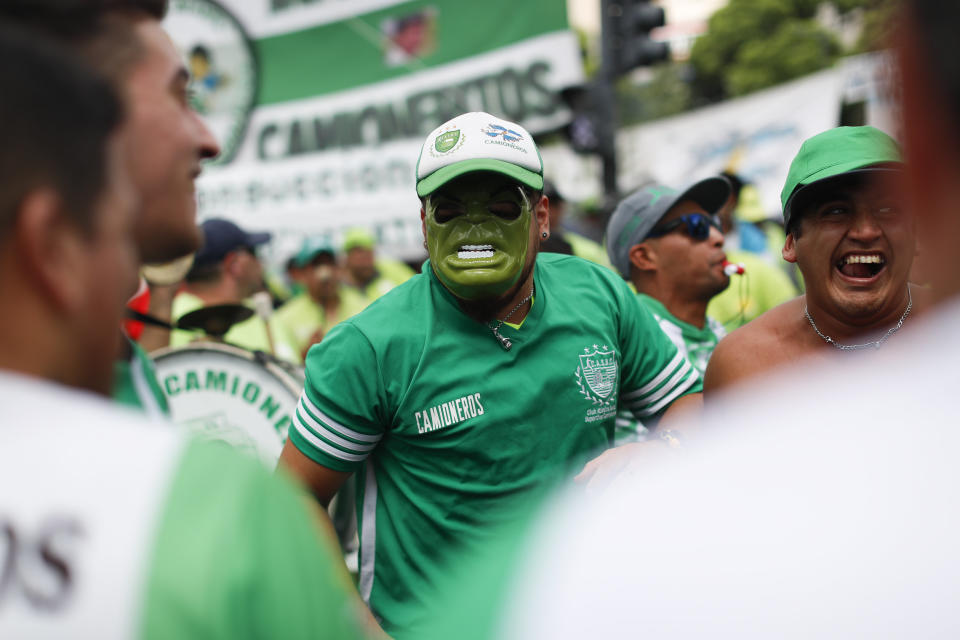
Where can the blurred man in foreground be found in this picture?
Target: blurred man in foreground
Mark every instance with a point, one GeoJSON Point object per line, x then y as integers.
{"type": "Point", "coordinates": [854, 241]}
{"type": "Point", "coordinates": [113, 528]}
{"type": "Point", "coordinates": [164, 139]}
{"type": "Point", "coordinates": [839, 519]}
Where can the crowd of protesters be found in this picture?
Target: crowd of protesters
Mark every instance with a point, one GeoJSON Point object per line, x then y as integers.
{"type": "Point", "coordinates": [521, 422]}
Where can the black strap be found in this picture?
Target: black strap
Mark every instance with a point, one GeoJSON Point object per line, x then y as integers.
{"type": "Point", "coordinates": [148, 319]}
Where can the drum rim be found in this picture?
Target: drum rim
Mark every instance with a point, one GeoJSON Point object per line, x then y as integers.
{"type": "Point", "coordinates": [201, 346]}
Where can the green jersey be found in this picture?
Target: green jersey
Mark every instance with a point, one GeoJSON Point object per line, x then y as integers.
{"type": "Point", "coordinates": [135, 383]}
{"type": "Point", "coordinates": [695, 343]}
{"type": "Point", "coordinates": [446, 427]}
{"type": "Point", "coordinates": [190, 541]}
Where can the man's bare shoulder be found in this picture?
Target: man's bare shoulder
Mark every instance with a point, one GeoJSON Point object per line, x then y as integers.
{"type": "Point", "coordinates": [765, 342]}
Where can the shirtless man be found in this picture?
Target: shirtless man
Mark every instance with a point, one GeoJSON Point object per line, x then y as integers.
{"type": "Point", "coordinates": [854, 245]}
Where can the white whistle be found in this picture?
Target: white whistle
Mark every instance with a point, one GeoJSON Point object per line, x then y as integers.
{"type": "Point", "coordinates": [733, 268]}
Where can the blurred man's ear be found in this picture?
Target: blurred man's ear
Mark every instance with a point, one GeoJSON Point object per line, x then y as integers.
{"type": "Point", "coordinates": [232, 262]}
{"type": "Point", "coordinates": [51, 247]}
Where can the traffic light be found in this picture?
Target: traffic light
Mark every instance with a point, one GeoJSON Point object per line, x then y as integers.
{"type": "Point", "coordinates": [583, 132]}
{"type": "Point", "coordinates": [630, 24]}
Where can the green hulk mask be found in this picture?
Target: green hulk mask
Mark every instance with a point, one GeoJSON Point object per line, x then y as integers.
{"type": "Point", "coordinates": [478, 236]}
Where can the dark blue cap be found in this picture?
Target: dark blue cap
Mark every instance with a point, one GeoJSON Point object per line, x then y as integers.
{"type": "Point", "coordinates": [220, 237]}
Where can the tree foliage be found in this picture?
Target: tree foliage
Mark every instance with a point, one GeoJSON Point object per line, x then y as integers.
{"type": "Point", "coordinates": [796, 48]}
{"type": "Point", "coordinates": [668, 93]}
{"type": "Point", "coordinates": [753, 44]}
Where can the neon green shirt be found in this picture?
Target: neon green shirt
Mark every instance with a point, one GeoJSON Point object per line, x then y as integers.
{"type": "Point", "coordinates": [447, 430]}
{"type": "Point", "coordinates": [761, 288]}
{"type": "Point", "coordinates": [250, 334]}
{"type": "Point", "coordinates": [295, 323]}
{"type": "Point", "coordinates": [584, 247]}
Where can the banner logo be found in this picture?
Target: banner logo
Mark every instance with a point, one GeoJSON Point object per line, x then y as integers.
{"type": "Point", "coordinates": [409, 37]}
{"type": "Point", "coordinates": [223, 69]}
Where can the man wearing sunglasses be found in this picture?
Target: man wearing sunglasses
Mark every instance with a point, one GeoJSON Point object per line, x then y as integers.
{"type": "Point", "coordinates": [668, 243]}
{"type": "Point", "coordinates": [474, 385]}
{"type": "Point", "coordinates": [854, 243]}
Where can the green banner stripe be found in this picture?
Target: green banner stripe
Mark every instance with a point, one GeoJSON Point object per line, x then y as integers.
{"type": "Point", "coordinates": [343, 55]}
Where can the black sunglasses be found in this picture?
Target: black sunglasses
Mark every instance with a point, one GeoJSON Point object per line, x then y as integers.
{"type": "Point", "coordinates": [697, 224]}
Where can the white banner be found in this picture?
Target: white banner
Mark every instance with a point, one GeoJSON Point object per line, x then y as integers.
{"type": "Point", "coordinates": [756, 136]}
{"type": "Point", "coordinates": [285, 180]}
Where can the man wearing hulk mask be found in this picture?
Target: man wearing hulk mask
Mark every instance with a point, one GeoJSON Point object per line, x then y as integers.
{"type": "Point", "coordinates": [481, 381]}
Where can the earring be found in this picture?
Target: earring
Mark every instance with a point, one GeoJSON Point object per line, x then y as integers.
{"type": "Point", "coordinates": [545, 235]}
{"type": "Point", "coordinates": [424, 244]}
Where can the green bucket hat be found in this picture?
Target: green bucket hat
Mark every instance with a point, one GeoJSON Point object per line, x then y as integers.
{"type": "Point", "coordinates": [836, 154]}
{"type": "Point", "coordinates": [311, 248]}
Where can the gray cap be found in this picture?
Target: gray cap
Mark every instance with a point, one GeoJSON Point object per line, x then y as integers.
{"type": "Point", "coordinates": [638, 213]}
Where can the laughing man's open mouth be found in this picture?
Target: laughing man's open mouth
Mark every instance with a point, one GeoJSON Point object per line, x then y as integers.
{"type": "Point", "coordinates": [861, 265]}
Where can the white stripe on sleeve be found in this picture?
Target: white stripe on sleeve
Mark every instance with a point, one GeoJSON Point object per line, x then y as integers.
{"type": "Point", "coordinates": [333, 424]}
{"type": "Point", "coordinates": [653, 384]}
{"type": "Point", "coordinates": [664, 390]}
{"type": "Point", "coordinates": [307, 421]}
{"type": "Point", "coordinates": [317, 443]}
{"type": "Point", "coordinates": [670, 398]}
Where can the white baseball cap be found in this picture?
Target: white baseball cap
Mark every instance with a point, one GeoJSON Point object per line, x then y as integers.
{"type": "Point", "coordinates": [478, 141]}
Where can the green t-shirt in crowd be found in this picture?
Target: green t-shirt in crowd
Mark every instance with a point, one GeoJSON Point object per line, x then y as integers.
{"type": "Point", "coordinates": [135, 383]}
{"type": "Point", "coordinates": [694, 343]}
{"type": "Point", "coordinates": [447, 430]}
{"type": "Point", "coordinates": [118, 528]}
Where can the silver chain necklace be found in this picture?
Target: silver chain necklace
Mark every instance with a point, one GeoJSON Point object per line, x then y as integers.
{"type": "Point", "coordinates": [505, 342]}
{"type": "Point", "coordinates": [876, 343]}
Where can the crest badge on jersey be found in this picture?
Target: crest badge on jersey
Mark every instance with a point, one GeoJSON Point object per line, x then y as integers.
{"type": "Point", "coordinates": [597, 378]}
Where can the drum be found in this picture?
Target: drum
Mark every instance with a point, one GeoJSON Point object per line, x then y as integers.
{"type": "Point", "coordinates": [222, 392]}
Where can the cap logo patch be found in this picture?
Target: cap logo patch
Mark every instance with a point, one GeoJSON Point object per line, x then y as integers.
{"type": "Point", "coordinates": [509, 135]}
{"type": "Point", "coordinates": [447, 141]}
{"type": "Point", "coordinates": [658, 192]}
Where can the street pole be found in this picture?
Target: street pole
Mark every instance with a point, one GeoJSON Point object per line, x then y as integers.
{"type": "Point", "coordinates": [611, 10]}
